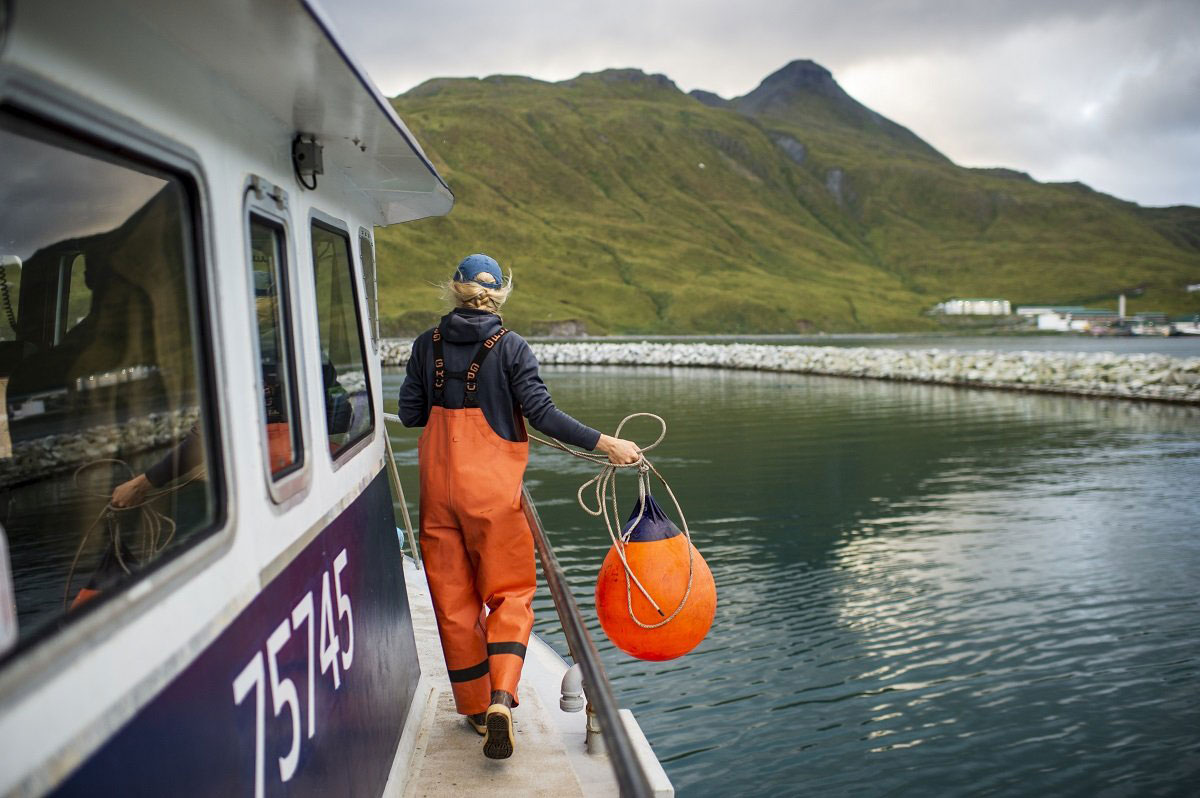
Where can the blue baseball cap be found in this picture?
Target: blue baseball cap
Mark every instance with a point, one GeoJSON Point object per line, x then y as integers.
{"type": "Point", "coordinates": [481, 269]}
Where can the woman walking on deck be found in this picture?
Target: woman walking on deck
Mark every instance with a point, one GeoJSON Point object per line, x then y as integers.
{"type": "Point", "coordinates": [470, 382]}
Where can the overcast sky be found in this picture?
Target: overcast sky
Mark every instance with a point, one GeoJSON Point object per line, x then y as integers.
{"type": "Point", "coordinates": [1102, 91]}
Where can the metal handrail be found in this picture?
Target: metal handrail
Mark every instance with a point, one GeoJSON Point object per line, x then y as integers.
{"type": "Point", "coordinates": [394, 473]}
{"type": "Point", "coordinates": [631, 778]}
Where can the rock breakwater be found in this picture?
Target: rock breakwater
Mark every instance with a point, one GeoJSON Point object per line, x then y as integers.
{"type": "Point", "coordinates": [1130, 376]}
{"type": "Point", "coordinates": [67, 451]}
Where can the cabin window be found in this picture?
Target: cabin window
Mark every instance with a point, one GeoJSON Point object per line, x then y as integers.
{"type": "Point", "coordinates": [281, 430]}
{"type": "Point", "coordinates": [348, 413]}
{"type": "Point", "coordinates": [104, 426]}
{"type": "Point", "coordinates": [76, 300]}
{"type": "Point", "coordinates": [370, 282]}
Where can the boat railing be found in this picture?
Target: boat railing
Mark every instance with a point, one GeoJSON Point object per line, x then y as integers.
{"type": "Point", "coordinates": [398, 489]}
{"type": "Point", "coordinates": [627, 768]}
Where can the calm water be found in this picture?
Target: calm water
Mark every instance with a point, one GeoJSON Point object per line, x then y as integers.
{"type": "Point", "coordinates": [922, 590]}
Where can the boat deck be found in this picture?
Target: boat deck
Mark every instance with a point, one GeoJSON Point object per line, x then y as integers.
{"type": "Point", "coordinates": [440, 755]}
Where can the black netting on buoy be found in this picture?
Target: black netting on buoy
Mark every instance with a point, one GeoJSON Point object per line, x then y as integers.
{"type": "Point", "coordinates": [648, 524]}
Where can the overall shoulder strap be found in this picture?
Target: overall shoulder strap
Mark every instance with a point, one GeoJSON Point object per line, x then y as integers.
{"type": "Point", "coordinates": [470, 398]}
{"type": "Point", "coordinates": [439, 368]}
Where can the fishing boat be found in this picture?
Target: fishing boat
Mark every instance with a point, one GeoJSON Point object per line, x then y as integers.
{"type": "Point", "coordinates": [202, 586]}
{"type": "Point", "coordinates": [1190, 327]}
{"type": "Point", "coordinates": [1116, 329]}
{"type": "Point", "coordinates": [1154, 327]}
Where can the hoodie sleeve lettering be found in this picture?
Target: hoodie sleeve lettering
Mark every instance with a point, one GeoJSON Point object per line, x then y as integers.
{"type": "Point", "coordinates": [537, 406]}
{"type": "Point", "coordinates": [414, 402]}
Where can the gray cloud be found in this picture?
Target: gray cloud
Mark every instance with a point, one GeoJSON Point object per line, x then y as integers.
{"type": "Point", "coordinates": [1103, 91]}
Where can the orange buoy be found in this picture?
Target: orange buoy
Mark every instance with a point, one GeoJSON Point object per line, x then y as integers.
{"type": "Point", "coordinates": [657, 554]}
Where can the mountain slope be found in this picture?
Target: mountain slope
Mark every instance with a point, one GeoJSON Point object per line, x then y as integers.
{"type": "Point", "coordinates": [625, 205]}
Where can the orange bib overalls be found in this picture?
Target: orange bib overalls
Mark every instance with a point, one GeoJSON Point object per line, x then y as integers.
{"type": "Point", "coordinates": [476, 543]}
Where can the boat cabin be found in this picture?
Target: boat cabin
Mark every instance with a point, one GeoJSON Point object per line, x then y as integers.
{"type": "Point", "coordinates": [198, 557]}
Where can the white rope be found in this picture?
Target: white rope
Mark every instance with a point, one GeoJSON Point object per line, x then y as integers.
{"type": "Point", "coordinates": [606, 496]}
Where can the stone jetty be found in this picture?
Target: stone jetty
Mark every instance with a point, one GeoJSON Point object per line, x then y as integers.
{"type": "Point", "coordinates": [1128, 376]}
{"type": "Point", "coordinates": [67, 451]}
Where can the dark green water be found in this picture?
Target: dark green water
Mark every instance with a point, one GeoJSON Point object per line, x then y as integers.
{"type": "Point", "coordinates": [922, 590]}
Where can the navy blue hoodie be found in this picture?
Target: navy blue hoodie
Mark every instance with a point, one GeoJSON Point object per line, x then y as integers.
{"type": "Point", "coordinates": [508, 382]}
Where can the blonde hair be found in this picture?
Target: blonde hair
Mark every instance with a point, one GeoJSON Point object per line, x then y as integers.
{"type": "Point", "coordinates": [264, 310]}
{"type": "Point", "coordinates": [474, 295]}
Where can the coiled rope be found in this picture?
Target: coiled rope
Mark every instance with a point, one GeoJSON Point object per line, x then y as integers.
{"type": "Point", "coordinates": [153, 523]}
{"type": "Point", "coordinates": [606, 496]}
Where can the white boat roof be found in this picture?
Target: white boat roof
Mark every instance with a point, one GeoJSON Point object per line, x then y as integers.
{"type": "Point", "coordinates": [281, 56]}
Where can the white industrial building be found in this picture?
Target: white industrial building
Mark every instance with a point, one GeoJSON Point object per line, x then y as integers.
{"type": "Point", "coordinates": [974, 307]}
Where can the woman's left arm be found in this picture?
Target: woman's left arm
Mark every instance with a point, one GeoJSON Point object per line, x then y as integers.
{"type": "Point", "coordinates": [414, 407]}
{"type": "Point", "coordinates": [536, 404]}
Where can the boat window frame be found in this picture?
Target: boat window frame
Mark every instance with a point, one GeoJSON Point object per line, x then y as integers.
{"type": "Point", "coordinates": [10, 633]}
{"type": "Point", "coordinates": [371, 289]}
{"type": "Point", "coordinates": [269, 204]}
{"type": "Point", "coordinates": [71, 120]}
{"type": "Point", "coordinates": [319, 218]}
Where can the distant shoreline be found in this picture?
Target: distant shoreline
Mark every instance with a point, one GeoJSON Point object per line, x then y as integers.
{"type": "Point", "coordinates": [1150, 377]}
{"type": "Point", "coordinates": [820, 337]}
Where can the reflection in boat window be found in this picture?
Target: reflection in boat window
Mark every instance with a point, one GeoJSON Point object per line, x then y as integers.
{"type": "Point", "coordinates": [274, 346]}
{"type": "Point", "coordinates": [100, 381]}
{"type": "Point", "coordinates": [348, 413]}
{"type": "Point", "coordinates": [10, 287]}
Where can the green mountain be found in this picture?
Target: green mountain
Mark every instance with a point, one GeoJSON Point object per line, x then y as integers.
{"type": "Point", "coordinates": [626, 206]}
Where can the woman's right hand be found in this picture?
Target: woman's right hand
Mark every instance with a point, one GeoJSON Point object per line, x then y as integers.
{"type": "Point", "coordinates": [131, 493]}
{"type": "Point", "coordinates": [619, 450]}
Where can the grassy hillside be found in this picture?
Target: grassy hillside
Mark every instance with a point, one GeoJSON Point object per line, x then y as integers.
{"type": "Point", "coordinates": [624, 204]}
